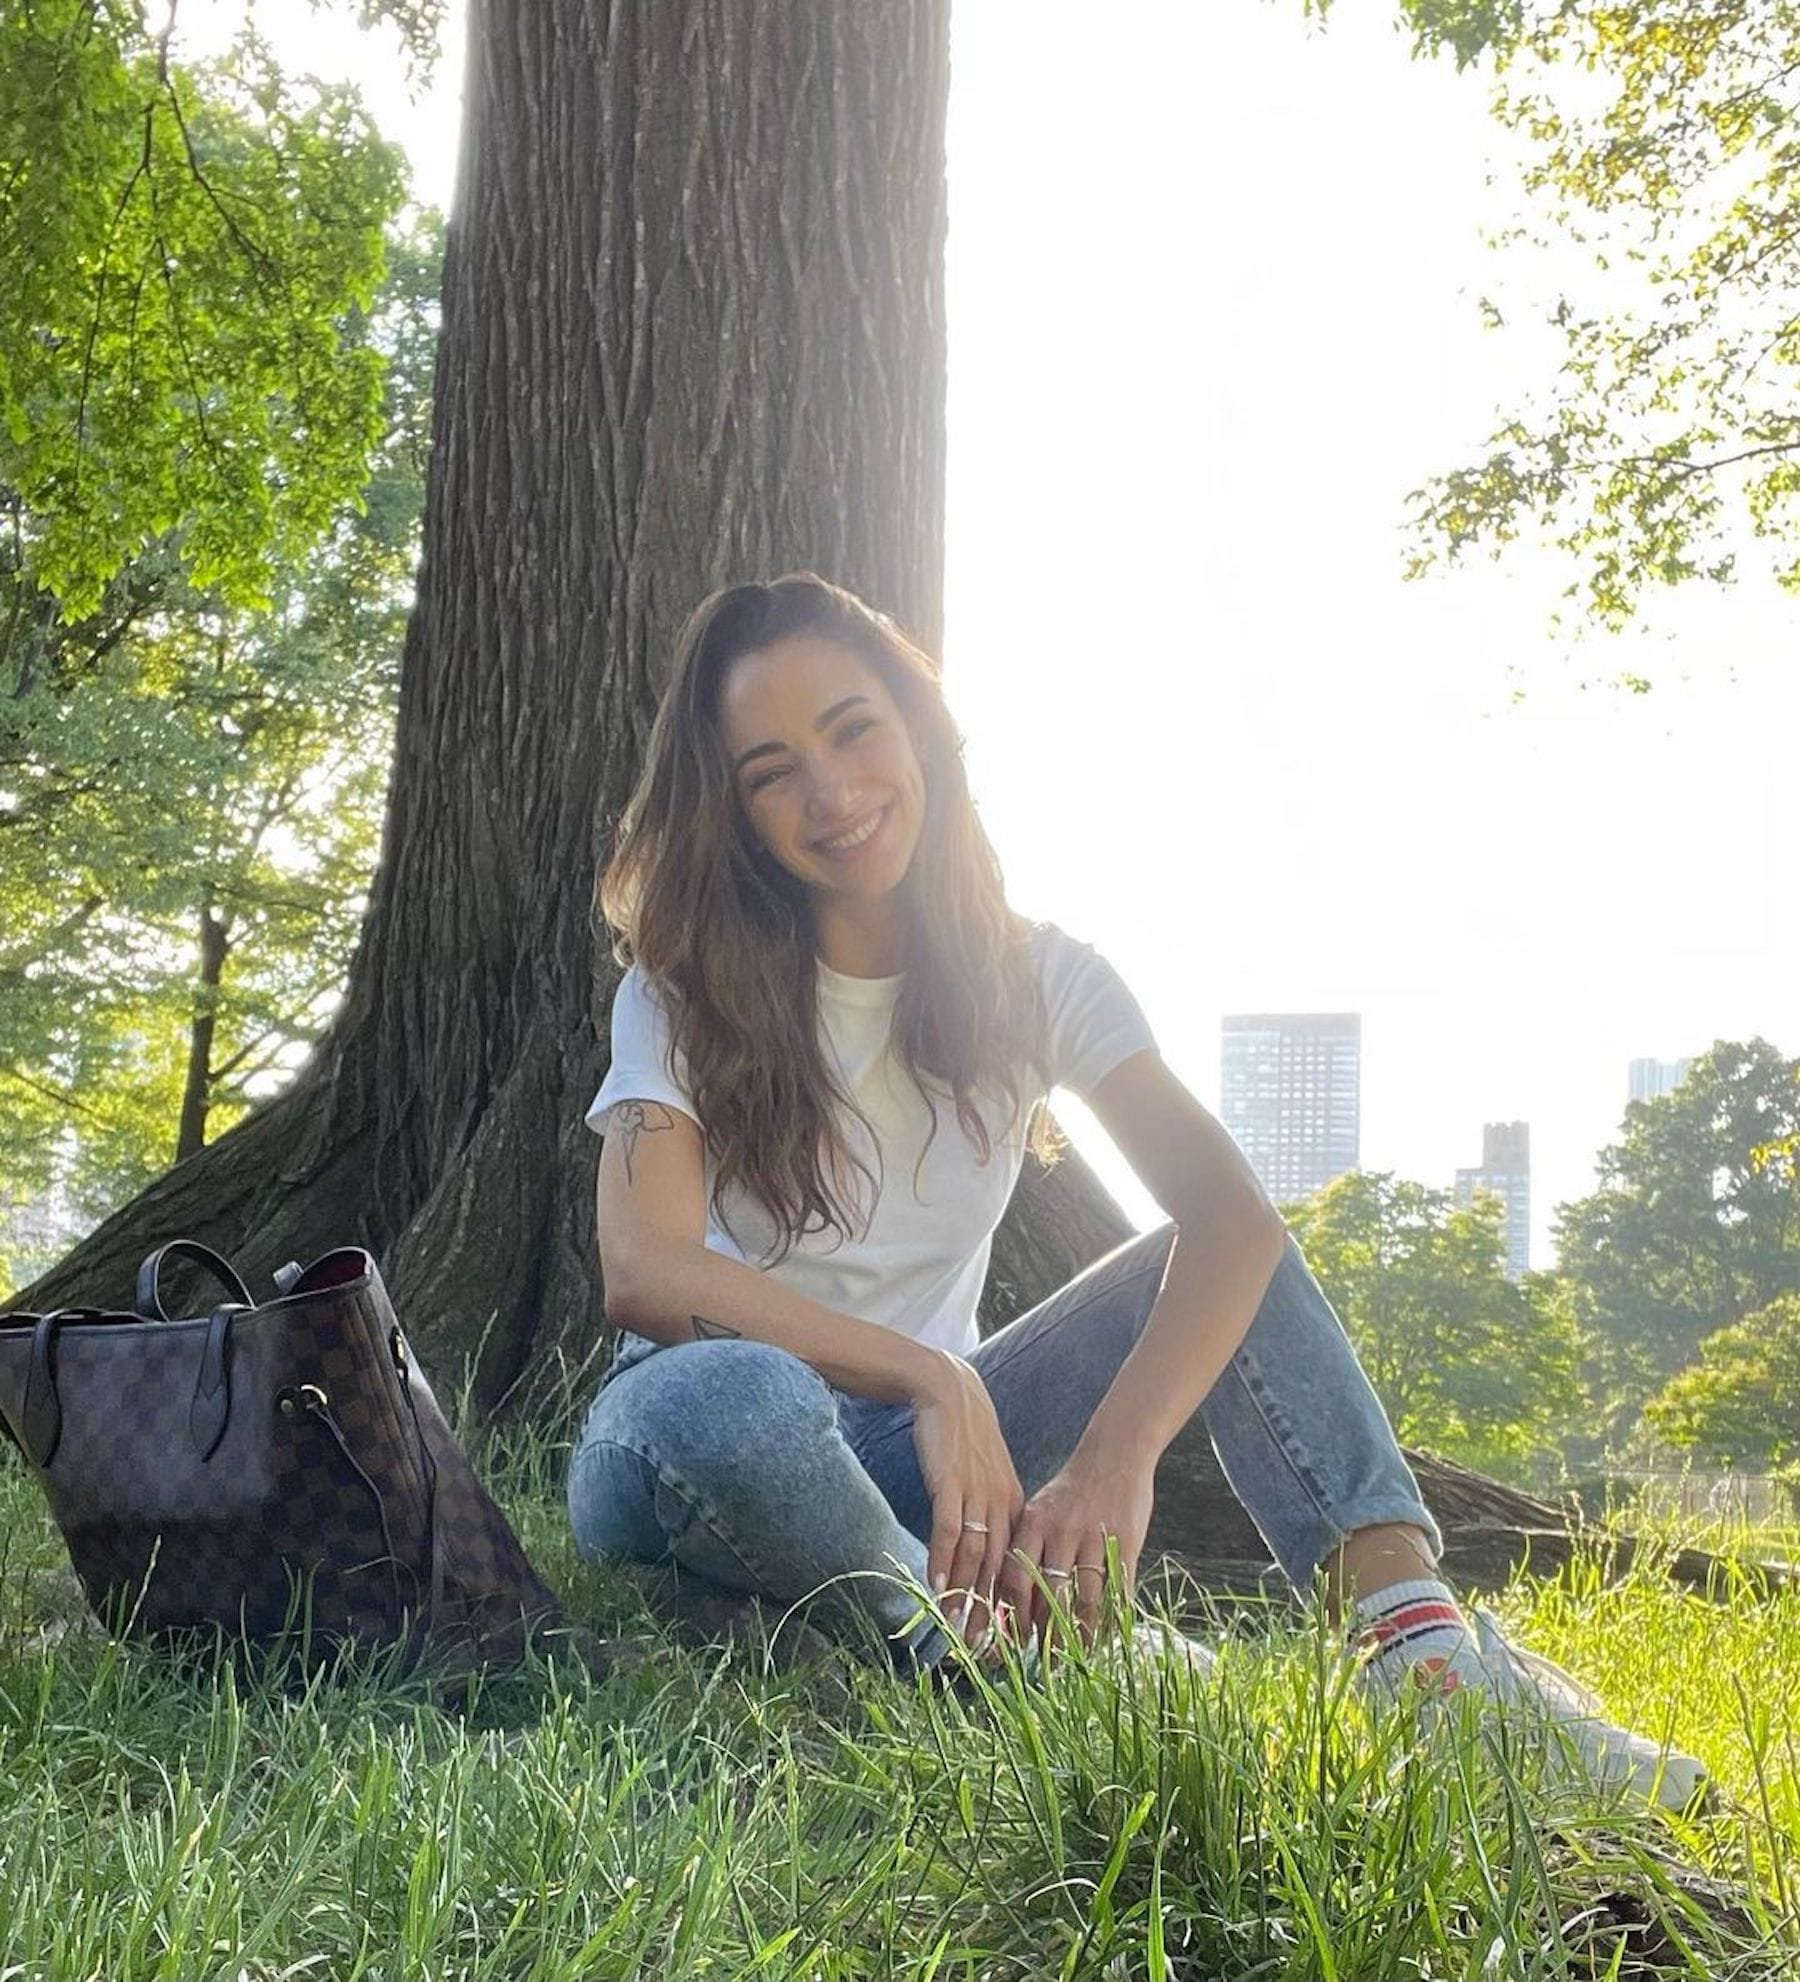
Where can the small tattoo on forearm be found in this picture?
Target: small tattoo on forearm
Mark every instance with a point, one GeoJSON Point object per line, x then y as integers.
{"type": "Point", "coordinates": [714, 1331]}
{"type": "Point", "coordinates": [633, 1119]}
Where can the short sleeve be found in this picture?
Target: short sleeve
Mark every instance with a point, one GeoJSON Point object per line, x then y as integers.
{"type": "Point", "coordinates": [1094, 1021]}
{"type": "Point", "coordinates": [645, 1065]}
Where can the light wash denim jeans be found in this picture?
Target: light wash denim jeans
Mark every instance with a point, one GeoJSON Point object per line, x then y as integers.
{"type": "Point", "coordinates": [743, 1466]}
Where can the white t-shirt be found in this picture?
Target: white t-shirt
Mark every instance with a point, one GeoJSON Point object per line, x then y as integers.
{"type": "Point", "coordinates": [920, 1263]}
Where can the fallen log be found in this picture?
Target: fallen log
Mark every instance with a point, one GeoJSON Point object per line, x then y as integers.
{"type": "Point", "coordinates": [1492, 1531]}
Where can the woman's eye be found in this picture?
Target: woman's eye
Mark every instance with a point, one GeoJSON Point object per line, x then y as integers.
{"type": "Point", "coordinates": [762, 779]}
{"type": "Point", "coordinates": [851, 731]}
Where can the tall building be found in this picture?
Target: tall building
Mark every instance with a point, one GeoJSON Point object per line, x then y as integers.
{"type": "Point", "coordinates": [1506, 1171]}
{"type": "Point", "coordinates": [1292, 1096]}
{"type": "Point", "coordinates": [1651, 1079]}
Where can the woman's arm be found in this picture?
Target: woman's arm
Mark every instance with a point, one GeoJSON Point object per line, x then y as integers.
{"type": "Point", "coordinates": [1229, 1240]}
{"type": "Point", "coordinates": [664, 1282]}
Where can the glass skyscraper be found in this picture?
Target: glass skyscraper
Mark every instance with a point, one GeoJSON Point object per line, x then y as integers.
{"type": "Point", "coordinates": [1291, 1095]}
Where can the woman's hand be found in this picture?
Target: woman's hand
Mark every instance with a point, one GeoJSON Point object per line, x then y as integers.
{"type": "Point", "coordinates": [975, 1494]}
{"type": "Point", "coordinates": [1062, 1534]}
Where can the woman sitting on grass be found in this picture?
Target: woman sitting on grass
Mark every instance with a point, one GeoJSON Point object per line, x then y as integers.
{"type": "Point", "coordinates": [828, 1056]}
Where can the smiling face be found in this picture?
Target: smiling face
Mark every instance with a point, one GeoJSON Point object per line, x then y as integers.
{"type": "Point", "coordinates": [824, 768]}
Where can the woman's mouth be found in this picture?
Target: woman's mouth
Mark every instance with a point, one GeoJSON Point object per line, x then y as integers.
{"type": "Point", "coordinates": [841, 845]}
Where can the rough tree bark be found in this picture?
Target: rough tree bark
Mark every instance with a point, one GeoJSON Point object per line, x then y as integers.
{"type": "Point", "coordinates": [693, 329]}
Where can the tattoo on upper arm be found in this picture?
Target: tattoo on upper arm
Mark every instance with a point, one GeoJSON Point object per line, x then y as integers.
{"type": "Point", "coordinates": [632, 1119]}
{"type": "Point", "coordinates": [714, 1331]}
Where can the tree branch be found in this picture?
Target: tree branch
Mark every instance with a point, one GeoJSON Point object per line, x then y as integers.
{"type": "Point", "coordinates": [1686, 470]}
{"type": "Point", "coordinates": [60, 1096]}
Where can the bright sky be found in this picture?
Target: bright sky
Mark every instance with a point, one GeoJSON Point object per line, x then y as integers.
{"type": "Point", "coordinates": [1212, 313]}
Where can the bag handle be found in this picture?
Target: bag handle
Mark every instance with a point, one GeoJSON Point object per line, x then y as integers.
{"type": "Point", "coordinates": [40, 1409]}
{"type": "Point", "coordinates": [210, 1410]}
{"type": "Point", "coordinates": [149, 1295]}
{"type": "Point", "coordinates": [40, 1413]}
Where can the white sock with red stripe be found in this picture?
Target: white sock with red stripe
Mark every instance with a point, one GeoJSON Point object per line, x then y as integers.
{"type": "Point", "coordinates": [1415, 1632]}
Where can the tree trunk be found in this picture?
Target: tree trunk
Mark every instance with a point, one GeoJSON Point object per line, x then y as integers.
{"type": "Point", "coordinates": [196, 1092]}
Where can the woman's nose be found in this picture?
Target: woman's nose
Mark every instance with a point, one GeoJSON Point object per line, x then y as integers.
{"type": "Point", "coordinates": [829, 794]}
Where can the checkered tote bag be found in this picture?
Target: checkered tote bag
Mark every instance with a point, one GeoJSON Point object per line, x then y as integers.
{"type": "Point", "coordinates": [277, 1471]}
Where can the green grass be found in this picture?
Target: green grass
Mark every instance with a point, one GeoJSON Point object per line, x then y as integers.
{"type": "Point", "coordinates": [721, 1813]}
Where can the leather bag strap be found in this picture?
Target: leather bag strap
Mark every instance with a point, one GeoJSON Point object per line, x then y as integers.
{"type": "Point", "coordinates": [40, 1416]}
{"type": "Point", "coordinates": [210, 1411]}
{"type": "Point", "coordinates": [149, 1294]}
{"type": "Point", "coordinates": [308, 1400]}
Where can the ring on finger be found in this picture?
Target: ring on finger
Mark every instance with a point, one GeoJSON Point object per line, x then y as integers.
{"type": "Point", "coordinates": [1057, 1575]}
{"type": "Point", "coordinates": [975, 1528]}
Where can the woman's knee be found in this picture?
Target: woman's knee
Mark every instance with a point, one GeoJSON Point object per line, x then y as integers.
{"type": "Point", "coordinates": [612, 1501]}
{"type": "Point", "coordinates": [702, 1406]}
{"type": "Point", "coordinates": [688, 1430]}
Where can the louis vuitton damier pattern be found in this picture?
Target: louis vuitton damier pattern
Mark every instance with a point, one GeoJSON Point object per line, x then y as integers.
{"type": "Point", "coordinates": [259, 1468]}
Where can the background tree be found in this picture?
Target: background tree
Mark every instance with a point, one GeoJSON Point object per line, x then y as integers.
{"type": "Point", "coordinates": [195, 817]}
{"type": "Point", "coordinates": [190, 387]}
{"type": "Point", "coordinates": [1463, 1360]}
{"type": "Point", "coordinates": [1740, 1401]}
{"type": "Point", "coordinates": [1659, 135]}
{"type": "Point", "coordinates": [1695, 1224]}
{"type": "Point", "coordinates": [184, 250]}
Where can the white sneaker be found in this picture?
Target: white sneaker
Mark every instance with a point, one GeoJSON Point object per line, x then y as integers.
{"type": "Point", "coordinates": [1151, 1643]}
{"type": "Point", "coordinates": [1613, 1756]}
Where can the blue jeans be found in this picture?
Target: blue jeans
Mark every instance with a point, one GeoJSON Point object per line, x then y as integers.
{"type": "Point", "coordinates": [741, 1464]}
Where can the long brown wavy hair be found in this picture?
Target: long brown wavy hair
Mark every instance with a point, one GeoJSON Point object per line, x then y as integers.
{"type": "Point", "coordinates": [726, 933]}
